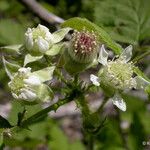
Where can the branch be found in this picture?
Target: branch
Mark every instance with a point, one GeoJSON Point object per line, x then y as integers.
{"type": "Point", "coordinates": [41, 12]}
{"type": "Point", "coordinates": [44, 112]}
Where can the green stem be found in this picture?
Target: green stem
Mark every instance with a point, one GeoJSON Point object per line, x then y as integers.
{"type": "Point", "coordinates": [91, 143]}
{"type": "Point", "coordinates": [141, 56]}
{"type": "Point", "coordinates": [58, 73]}
{"type": "Point", "coordinates": [44, 112]}
{"type": "Point", "coordinates": [122, 135]}
{"type": "Point", "coordinates": [102, 105]}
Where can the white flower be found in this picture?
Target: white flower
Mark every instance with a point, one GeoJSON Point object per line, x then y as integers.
{"type": "Point", "coordinates": [118, 74]}
{"type": "Point", "coordinates": [24, 85]}
{"type": "Point", "coordinates": [38, 40]}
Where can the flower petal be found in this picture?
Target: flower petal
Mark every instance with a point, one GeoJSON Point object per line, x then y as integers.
{"type": "Point", "coordinates": [119, 102]}
{"type": "Point", "coordinates": [127, 53]}
{"type": "Point", "coordinates": [32, 80]}
{"type": "Point", "coordinates": [141, 82]}
{"type": "Point", "coordinates": [95, 80]}
{"type": "Point", "coordinates": [103, 56]}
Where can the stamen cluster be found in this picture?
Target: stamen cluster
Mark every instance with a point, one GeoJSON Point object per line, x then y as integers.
{"type": "Point", "coordinates": [119, 74]}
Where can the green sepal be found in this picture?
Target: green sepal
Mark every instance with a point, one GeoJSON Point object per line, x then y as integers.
{"type": "Point", "coordinates": [11, 49]}
{"type": "Point", "coordinates": [72, 66]}
{"type": "Point", "coordinates": [29, 58]}
{"type": "Point", "coordinates": [10, 68]}
{"type": "Point", "coordinates": [44, 74]}
{"type": "Point", "coordinates": [54, 50]}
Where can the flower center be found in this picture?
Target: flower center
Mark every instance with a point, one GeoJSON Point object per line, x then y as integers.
{"type": "Point", "coordinates": [119, 74]}
{"type": "Point", "coordinates": [84, 42]}
{"type": "Point", "coordinates": [36, 32]}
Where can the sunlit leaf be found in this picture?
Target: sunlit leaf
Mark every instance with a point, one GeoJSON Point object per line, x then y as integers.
{"type": "Point", "coordinates": [80, 23]}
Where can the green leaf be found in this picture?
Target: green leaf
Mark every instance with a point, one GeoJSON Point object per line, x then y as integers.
{"type": "Point", "coordinates": [60, 34]}
{"type": "Point", "coordinates": [45, 74]}
{"type": "Point", "coordinates": [103, 37]}
{"type": "Point", "coordinates": [127, 21]}
{"type": "Point", "coordinates": [11, 48]}
{"type": "Point", "coordinates": [141, 74]}
{"type": "Point", "coordinates": [10, 68]}
{"type": "Point", "coordinates": [28, 59]}
{"type": "Point", "coordinates": [4, 123]}
{"type": "Point", "coordinates": [55, 49]}
{"type": "Point", "coordinates": [11, 32]}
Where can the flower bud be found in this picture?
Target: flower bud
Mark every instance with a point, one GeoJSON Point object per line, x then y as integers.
{"type": "Point", "coordinates": [38, 40]}
{"type": "Point", "coordinates": [24, 85]}
{"type": "Point", "coordinates": [81, 51]}
{"type": "Point", "coordinates": [83, 46]}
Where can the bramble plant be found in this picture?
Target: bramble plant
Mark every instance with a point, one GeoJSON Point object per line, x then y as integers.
{"type": "Point", "coordinates": [78, 46]}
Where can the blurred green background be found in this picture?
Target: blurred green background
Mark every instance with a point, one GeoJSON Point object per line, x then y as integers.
{"type": "Point", "coordinates": [128, 22]}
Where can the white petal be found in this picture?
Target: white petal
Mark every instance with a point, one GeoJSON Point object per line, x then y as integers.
{"type": "Point", "coordinates": [23, 96]}
{"type": "Point", "coordinates": [28, 40]}
{"type": "Point", "coordinates": [32, 80]}
{"type": "Point", "coordinates": [15, 96]}
{"type": "Point", "coordinates": [49, 37]}
{"type": "Point", "coordinates": [119, 102]}
{"type": "Point", "coordinates": [41, 27]}
{"type": "Point", "coordinates": [28, 94]}
{"type": "Point", "coordinates": [42, 44]}
{"type": "Point", "coordinates": [127, 53]}
{"type": "Point", "coordinates": [103, 56]}
{"type": "Point", "coordinates": [141, 82]}
{"type": "Point", "coordinates": [95, 80]}
{"type": "Point", "coordinates": [24, 70]}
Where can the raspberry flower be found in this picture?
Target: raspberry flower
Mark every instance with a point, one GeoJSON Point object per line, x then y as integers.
{"type": "Point", "coordinates": [39, 40]}
{"type": "Point", "coordinates": [118, 74]}
{"type": "Point", "coordinates": [24, 85]}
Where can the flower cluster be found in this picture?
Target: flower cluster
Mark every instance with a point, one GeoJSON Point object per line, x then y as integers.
{"type": "Point", "coordinates": [24, 84]}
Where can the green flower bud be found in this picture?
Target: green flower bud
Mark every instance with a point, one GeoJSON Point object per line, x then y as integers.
{"type": "Point", "coordinates": [83, 46]}
{"type": "Point", "coordinates": [81, 51]}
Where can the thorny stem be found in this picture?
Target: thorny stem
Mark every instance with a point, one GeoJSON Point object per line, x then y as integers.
{"type": "Point", "coordinates": [44, 112]}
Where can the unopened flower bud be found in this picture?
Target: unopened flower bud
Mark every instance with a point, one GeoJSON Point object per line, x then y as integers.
{"type": "Point", "coordinates": [24, 85]}
{"type": "Point", "coordinates": [38, 40]}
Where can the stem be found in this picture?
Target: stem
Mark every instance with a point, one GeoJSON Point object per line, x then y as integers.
{"type": "Point", "coordinates": [91, 143]}
{"type": "Point", "coordinates": [124, 142]}
{"type": "Point", "coordinates": [44, 112]}
{"type": "Point", "coordinates": [102, 105]}
{"type": "Point", "coordinates": [141, 57]}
